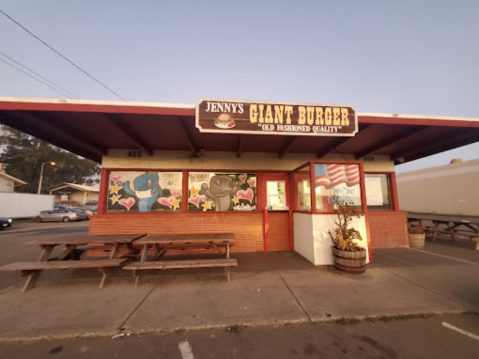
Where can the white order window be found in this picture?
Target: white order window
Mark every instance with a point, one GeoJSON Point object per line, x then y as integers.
{"type": "Point", "coordinates": [276, 194]}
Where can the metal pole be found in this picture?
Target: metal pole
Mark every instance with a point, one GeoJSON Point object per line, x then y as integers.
{"type": "Point", "coordinates": [40, 182]}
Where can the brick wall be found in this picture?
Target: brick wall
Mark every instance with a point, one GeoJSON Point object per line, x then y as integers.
{"type": "Point", "coordinates": [388, 229]}
{"type": "Point", "coordinates": [248, 228]}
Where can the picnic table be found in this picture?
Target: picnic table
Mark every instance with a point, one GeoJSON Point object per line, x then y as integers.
{"type": "Point", "coordinates": [448, 225]}
{"type": "Point", "coordinates": [163, 242]}
{"type": "Point", "coordinates": [71, 255]}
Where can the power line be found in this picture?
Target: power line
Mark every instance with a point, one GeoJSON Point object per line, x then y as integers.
{"type": "Point", "coordinates": [25, 67]}
{"type": "Point", "coordinates": [26, 73]}
{"type": "Point", "coordinates": [59, 54]}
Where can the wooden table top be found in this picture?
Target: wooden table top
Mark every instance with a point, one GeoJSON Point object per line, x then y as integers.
{"type": "Point", "coordinates": [85, 238]}
{"type": "Point", "coordinates": [444, 218]}
{"type": "Point", "coordinates": [190, 238]}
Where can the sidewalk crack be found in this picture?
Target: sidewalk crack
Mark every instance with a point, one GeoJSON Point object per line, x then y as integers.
{"type": "Point", "coordinates": [139, 304]}
{"type": "Point", "coordinates": [296, 298]}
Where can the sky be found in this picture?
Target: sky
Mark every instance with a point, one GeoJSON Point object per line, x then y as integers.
{"type": "Point", "coordinates": [407, 57]}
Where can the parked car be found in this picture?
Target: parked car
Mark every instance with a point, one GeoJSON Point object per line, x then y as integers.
{"type": "Point", "coordinates": [87, 212]}
{"type": "Point", "coordinates": [5, 222]}
{"type": "Point", "coordinates": [59, 215]}
{"type": "Point", "coordinates": [91, 205]}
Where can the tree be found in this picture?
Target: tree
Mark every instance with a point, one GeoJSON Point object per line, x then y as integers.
{"type": "Point", "coordinates": [24, 155]}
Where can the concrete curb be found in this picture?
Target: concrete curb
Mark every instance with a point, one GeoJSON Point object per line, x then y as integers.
{"type": "Point", "coordinates": [332, 320]}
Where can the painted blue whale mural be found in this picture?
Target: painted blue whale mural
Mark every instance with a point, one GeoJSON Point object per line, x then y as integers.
{"type": "Point", "coordinates": [147, 190]}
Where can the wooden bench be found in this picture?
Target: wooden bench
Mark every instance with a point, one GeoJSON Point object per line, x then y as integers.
{"type": "Point", "coordinates": [189, 263]}
{"type": "Point", "coordinates": [28, 268]}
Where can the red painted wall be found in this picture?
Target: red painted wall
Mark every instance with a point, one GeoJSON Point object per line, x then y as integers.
{"type": "Point", "coordinates": [388, 229]}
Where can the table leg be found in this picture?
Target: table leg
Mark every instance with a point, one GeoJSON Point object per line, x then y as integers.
{"type": "Point", "coordinates": [71, 252]}
{"type": "Point", "coordinates": [106, 274]}
{"type": "Point", "coordinates": [144, 254]}
{"type": "Point", "coordinates": [33, 277]}
{"type": "Point", "coordinates": [228, 251]}
{"type": "Point", "coordinates": [114, 251]}
{"type": "Point", "coordinates": [144, 257]}
{"type": "Point", "coordinates": [436, 229]}
{"type": "Point", "coordinates": [450, 227]}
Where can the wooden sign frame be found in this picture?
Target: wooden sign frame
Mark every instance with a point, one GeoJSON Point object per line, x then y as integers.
{"type": "Point", "coordinates": [272, 118]}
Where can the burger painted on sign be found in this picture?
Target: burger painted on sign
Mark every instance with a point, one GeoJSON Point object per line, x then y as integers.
{"type": "Point", "coordinates": [267, 118]}
{"type": "Point", "coordinates": [224, 121]}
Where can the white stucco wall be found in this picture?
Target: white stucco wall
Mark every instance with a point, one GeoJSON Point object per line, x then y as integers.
{"type": "Point", "coordinates": [24, 205]}
{"type": "Point", "coordinates": [303, 235]}
{"type": "Point", "coordinates": [312, 240]}
{"type": "Point", "coordinates": [228, 161]}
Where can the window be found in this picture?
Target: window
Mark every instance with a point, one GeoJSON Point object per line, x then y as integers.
{"type": "Point", "coordinates": [134, 191]}
{"type": "Point", "coordinates": [209, 191]}
{"type": "Point", "coordinates": [276, 194]}
{"type": "Point", "coordinates": [302, 189]}
{"type": "Point", "coordinates": [336, 182]}
{"type": "Point", "coordinates": [378, 195]}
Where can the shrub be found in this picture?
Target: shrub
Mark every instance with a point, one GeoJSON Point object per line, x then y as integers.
{"type": "Point", "coordinates": [342, 236]}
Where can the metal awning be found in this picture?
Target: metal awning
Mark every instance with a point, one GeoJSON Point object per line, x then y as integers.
{"type": "Point", "coordinates": [90, 128]}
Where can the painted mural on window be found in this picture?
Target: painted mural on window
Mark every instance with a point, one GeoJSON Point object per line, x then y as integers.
{"type": "Point", "coordinates": [222, 192]}
{"type": "Point", "coordinates": [336, 182]}
{"type": "Point", "coordinates": [134, 191]}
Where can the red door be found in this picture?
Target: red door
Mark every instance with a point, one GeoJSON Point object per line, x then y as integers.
{"type": "Point", "coordinates": [275, 195]}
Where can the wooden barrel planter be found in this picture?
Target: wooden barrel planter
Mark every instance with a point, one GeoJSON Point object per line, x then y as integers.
{"type": "Point", "coordinates": [417, 240]}
{"type": "Point", "coordinates": [350, 262]}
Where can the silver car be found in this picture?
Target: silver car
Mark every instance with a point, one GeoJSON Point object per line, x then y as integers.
{"type": "Point", "coordinates": [60, 215]}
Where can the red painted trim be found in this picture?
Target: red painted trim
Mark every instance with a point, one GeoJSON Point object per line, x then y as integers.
{"type": "Point", "coordinates": [394, 193]}
{"type": "Point", "coordinates": [300, 167]}
{"type": "Point", "coordinates": [193, 170]}
{"type": "Point", "coordinates": [266, 230]}
{"type": "Point", "coordinates": [291, 231]}
{"type": "Point", "coordinates": [67, 107]}
{"type": "Point", "coordinates": [337, 162]}
{"type": "Point", "coordinates": [365, 210]}
{"type": "Point", "coordinates": [173, 111]}
{"type": "Point", "coordinates": [183, 208]}
{"type": "Point", "coordinates": [416, 121]}
{"type": "Point", "coordinates": [103, 194]}
{"type": "Point", "coordinates": [185, 192]}
{"type": "Point", "coordinates": [312, 185]}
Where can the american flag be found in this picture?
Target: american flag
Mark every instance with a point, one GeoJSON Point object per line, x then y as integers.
{"type": "Point", "coordinates": [332, 175]}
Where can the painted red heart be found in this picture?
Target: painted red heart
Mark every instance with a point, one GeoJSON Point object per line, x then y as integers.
{"type": "Point", "coordinates": [252, 181]}
{"type": "Point", "coordinates": [203, 198]}
{"type": "Point", "coordinates": [243, 177]}
{"type": "Point", "coordinates": [115, 178]}
{"type": "Point", "coordinates": [248, 194]}
{"type": "Point", "coordinates": [128, 202]}
{"type": "Point", "coordinates": [195, 200]}
{"type": "Point", "coordinates": [175, 192]}
{"type": "Point", "coordinates": [166, 201]}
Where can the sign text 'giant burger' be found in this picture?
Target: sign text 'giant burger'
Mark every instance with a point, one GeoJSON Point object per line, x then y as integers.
{"type": "Point", "coordinates": [251, 117]}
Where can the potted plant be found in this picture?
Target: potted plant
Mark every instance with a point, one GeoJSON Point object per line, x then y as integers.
{"type": "Point", "coordinates": [348, 255]}
{"type": "Point", "coordinates": [417, 237]}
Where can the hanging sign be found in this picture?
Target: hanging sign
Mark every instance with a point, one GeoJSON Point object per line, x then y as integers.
{"type": "Point", "coordinates": [268, 118]}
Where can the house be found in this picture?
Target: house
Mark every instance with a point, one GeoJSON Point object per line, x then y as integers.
{"type": "Point", "coordinates": [8, 183]}
{"type": "Point", "coordinates": [73, 193]}
{"type": "Point", "coordinates": [268, 172]}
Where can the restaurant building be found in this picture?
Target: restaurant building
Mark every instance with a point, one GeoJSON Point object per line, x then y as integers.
{"type": "Point", "coordinates": [268, 172]}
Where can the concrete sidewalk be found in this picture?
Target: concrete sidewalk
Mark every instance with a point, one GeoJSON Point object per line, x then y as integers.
{"type": "Point", "coordinates": [266, 289]}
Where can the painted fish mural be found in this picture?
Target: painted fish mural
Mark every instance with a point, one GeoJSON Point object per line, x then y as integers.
{"type": "Point", "coordinates": [146, 190]}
